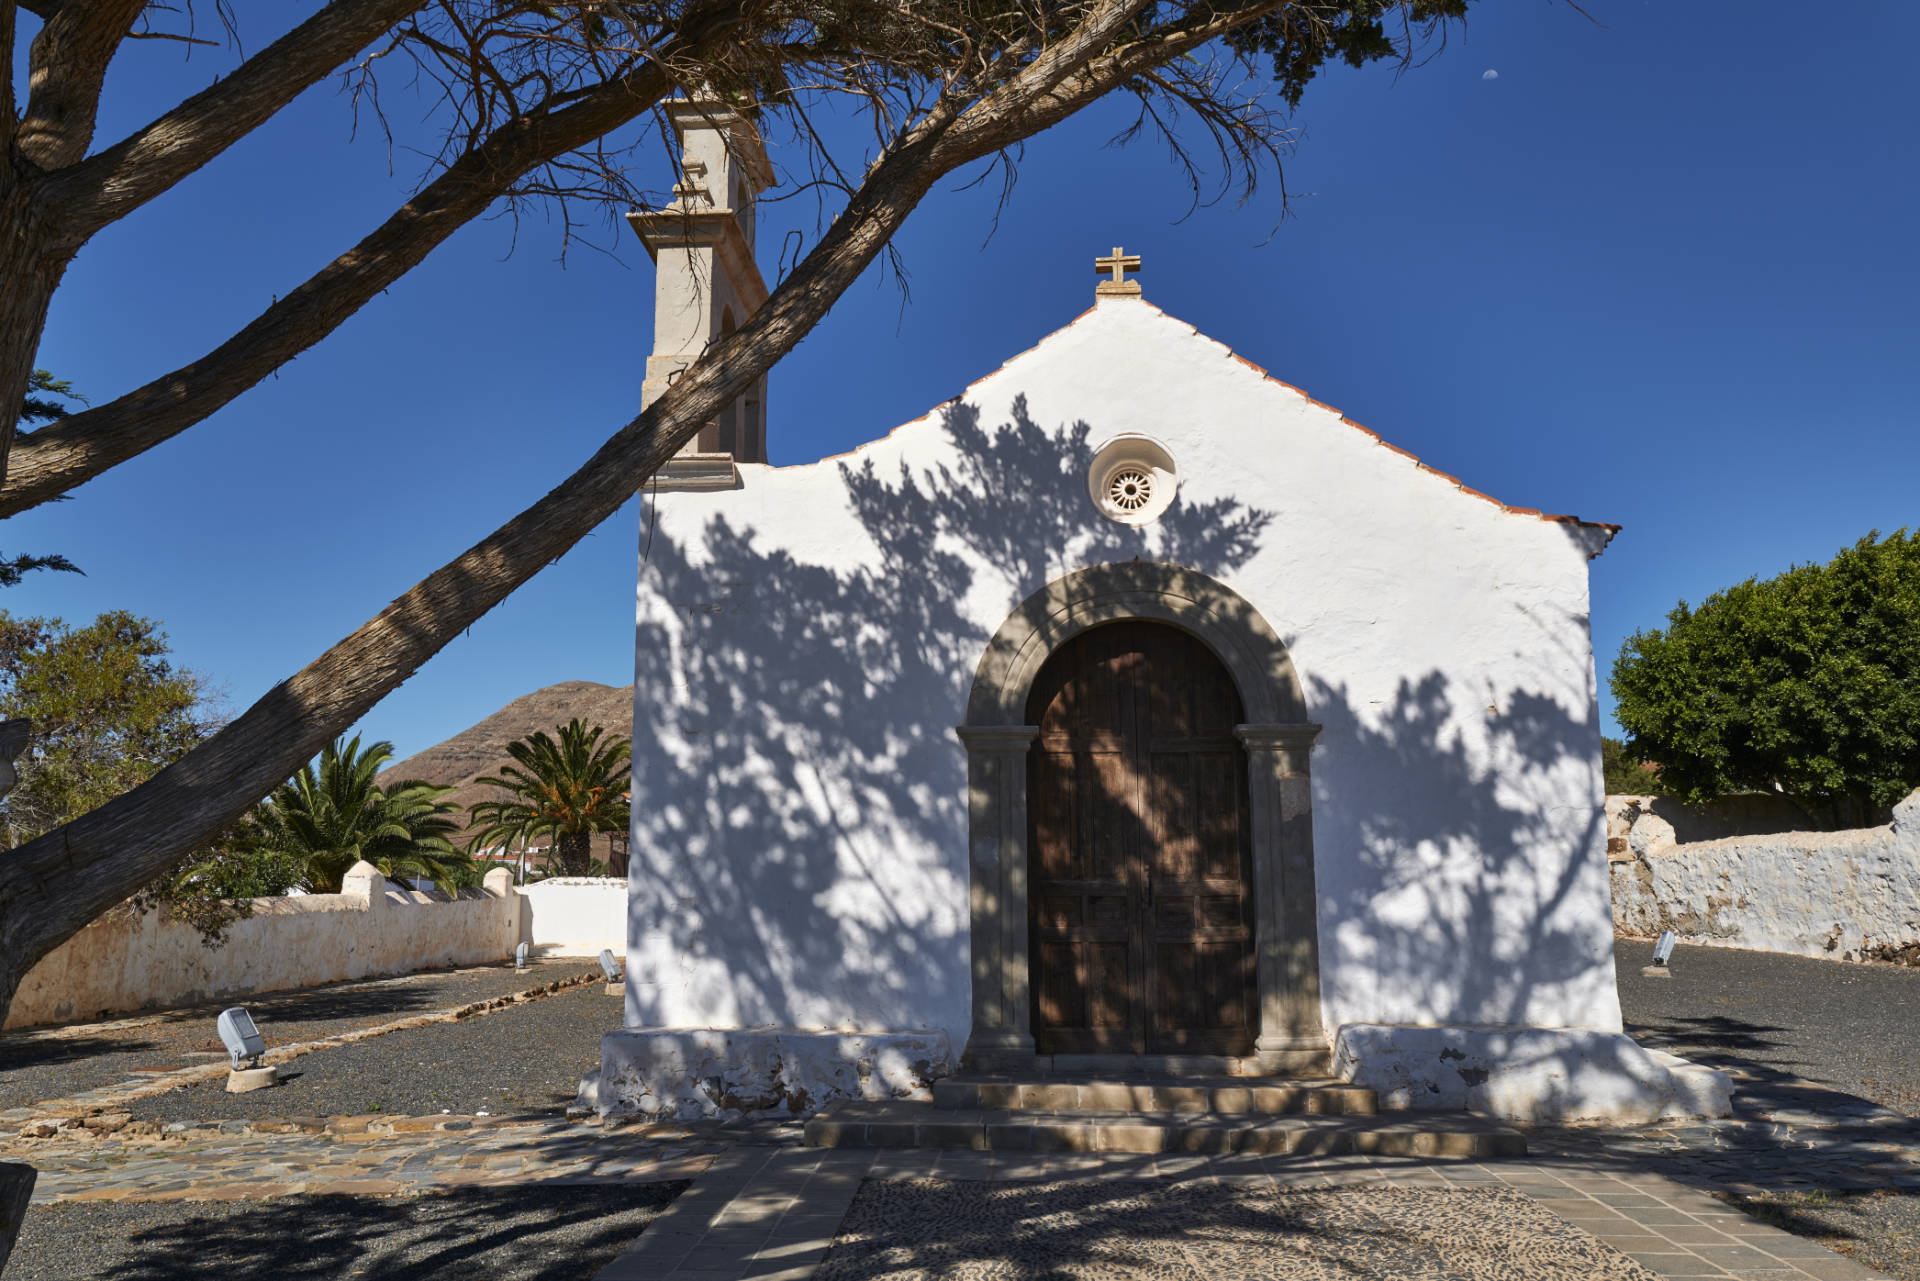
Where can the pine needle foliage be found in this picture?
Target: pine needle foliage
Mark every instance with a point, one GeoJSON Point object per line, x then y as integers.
{"type": "Point", "coordinates": [563, 791]}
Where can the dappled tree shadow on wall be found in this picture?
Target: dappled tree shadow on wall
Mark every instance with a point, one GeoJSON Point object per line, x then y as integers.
{"type": "Point", "coordinates": [819, 703]}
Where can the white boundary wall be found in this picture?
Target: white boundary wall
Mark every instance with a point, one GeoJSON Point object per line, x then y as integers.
{"type": "Point", "coordinates": [371, 929]}
{"type": "Point", "coordinates": [1845, 896]}
{"type": "Point", "coordinates": [575, 916]}
{"type": "Point", "coordinates": [124, 963]}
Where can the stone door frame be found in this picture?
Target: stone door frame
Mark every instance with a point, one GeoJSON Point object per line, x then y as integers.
{"type": "Point", "coordinates": [1278, 738]}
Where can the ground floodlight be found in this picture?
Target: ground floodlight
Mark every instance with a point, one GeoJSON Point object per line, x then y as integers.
{"type": "Point", "coordinates": [520, 957]}
{"type": "Point", "coordinates": [241, 1037]}
{"type": "Point", "coordinates": [609, 966]}
{"type": "Point", "coordinates": [1663, 950]}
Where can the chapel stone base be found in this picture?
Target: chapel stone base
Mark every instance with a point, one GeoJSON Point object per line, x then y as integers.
{"type": "Point", "coordinates": [1291, 1061]}
{"type": "Point", "coordinates": [691, 1073]}
{"type": "Point", "coordinates": [1533, 1075]}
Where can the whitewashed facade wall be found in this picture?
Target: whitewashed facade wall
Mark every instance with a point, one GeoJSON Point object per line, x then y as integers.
{"type": "Point", "coordinates": [806, 644]}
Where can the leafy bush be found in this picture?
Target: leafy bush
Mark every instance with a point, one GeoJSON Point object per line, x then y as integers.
{"type": "Point", "coordinates": [1626, 774]}
{"type": "Point", "coordinates": [1807, 684]}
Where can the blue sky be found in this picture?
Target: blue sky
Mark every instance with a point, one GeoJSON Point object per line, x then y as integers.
{"type": "Point", "coordinates": [1659, 271]}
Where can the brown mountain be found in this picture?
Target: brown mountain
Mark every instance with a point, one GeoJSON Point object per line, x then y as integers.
{"type": "Point", "coordinates": [482, 748]}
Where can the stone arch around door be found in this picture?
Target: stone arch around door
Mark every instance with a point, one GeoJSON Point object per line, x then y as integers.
{"type": "Point", "coordinates": [1278, 738]}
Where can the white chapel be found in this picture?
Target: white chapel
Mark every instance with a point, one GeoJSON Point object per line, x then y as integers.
{"type": "Point", "coordinates": [1130, 707]}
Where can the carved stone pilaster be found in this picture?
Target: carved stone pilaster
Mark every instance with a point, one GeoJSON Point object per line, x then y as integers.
{"type": "Point", "coordinates": [1287, 933]}
{"type": "Point", "coordinates": [997, 857]}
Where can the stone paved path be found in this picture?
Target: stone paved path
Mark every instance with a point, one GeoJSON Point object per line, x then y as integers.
{"type": "Point", "coordinates": [345, 1157]}
{"type": "Point", "coordinates": [762, 1212]}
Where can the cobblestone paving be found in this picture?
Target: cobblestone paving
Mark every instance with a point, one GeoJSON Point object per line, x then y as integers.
{"type": "Point", "coordinates": [923, 1228]}
{"type": "Point", "coordinates": [768, 1212]}
{"type": "Point", "coordinates": [346, 1156]}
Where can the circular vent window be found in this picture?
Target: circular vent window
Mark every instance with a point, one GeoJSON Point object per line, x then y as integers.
{"type": "Point", "coordinates": [1129, 489]}
{"type": "Point", "coordinates": [1131, 480]}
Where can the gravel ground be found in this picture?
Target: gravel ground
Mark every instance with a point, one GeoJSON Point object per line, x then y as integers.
{"type": "Point", "coordinates": [50, 1063]}
{"type": "Point", "coordinates": [500, 1234]}
{"type": "Point", "coordinates": [1848, 1025]}
{"type": "Point", "coordinates": [1880, 1229]}
{"type": "Point", "coordinates": [524, 1059]}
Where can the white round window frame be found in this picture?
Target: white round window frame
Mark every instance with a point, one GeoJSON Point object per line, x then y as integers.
{"type": "Point", "coordinates": [1105, 479]}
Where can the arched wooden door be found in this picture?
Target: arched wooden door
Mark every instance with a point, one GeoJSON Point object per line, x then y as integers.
{"type": "Point", "coordinates": [1140, 876]}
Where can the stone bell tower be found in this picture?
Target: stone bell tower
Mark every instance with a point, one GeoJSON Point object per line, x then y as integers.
{"type": "Point", "coordinates": [707, 282]}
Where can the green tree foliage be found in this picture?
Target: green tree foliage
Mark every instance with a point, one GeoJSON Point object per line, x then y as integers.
{"type": "Point", "coordinates": [109, 710]}
{"type": "Point", "coordinates": [565, 791]}
{"type": "Point", "coordinates": [1806, 684]}
{"type": "Point", "coordinates": [35, 410]}
{"type": "Point", "coordinates": [332, 814]}
{"type": "Point", "coordinates": [1626, 774]}
{"type": "Point", "coordinates": [213, 890]}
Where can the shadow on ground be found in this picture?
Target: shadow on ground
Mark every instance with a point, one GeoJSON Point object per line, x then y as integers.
{"type": "Point", "coordinates": [971, 1231]}
{"type": "Point", "coordinates": [502, 1234]}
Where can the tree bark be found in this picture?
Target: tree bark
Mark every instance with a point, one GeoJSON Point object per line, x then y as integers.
{"type": "Point", "coordinates": [30, 273]}
{"type": "Point", "coordinates": [63, 199]}
{"type": "Point", "coordinates": [16, 1190]}
{"type": "Point", "coordinates": [575, 851]}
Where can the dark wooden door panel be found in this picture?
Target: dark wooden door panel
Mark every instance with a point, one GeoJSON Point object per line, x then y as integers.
{"type": "Point", "coordinates": [1142, 936]}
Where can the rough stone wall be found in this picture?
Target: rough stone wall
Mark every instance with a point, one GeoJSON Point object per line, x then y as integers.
{"type": "Point", "coordinates": [1665, 820]}
{"type": "Point", "coordinates": [1851, 896]}
{"type": "Point", "coordinates": [123, 963]}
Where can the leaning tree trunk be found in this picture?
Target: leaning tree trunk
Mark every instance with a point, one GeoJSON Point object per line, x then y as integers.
{"type": "Point", "coordinates": [575, 851]}
{"type": "Point", "coordinates": [53, 885]}
{"type": "Point", "coordinates": [16, 1191]}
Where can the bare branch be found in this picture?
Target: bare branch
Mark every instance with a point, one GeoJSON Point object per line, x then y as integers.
{"type": "Point", "coordinates": [95, 192]}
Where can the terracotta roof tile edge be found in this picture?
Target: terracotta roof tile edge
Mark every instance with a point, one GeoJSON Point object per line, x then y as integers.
{"type": "Point", "coordinates": [1610, 529]}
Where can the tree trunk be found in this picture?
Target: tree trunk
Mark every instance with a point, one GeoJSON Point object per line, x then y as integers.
{"type": "Point", "coordinates": [16, 1190]}
{"type": "Point", "coordinates": [30, 269]}
{"type": "Point", "coordinates": [53, 885]}
{"type": "Point", "coordinates": [575, 850]}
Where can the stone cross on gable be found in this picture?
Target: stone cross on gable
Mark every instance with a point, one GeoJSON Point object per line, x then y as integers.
{"type": "Point", "coordinates": [1119, 262]}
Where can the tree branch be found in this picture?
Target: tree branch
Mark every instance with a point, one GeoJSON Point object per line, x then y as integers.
{"type": "Point", "coordinates": [65, 68]}
{"type": "Point", "coordinates": [95, 192]}
{"type": "Point", "coordinates": [53, 884]}
{"type": "Point", "coordinates": [72, 451]}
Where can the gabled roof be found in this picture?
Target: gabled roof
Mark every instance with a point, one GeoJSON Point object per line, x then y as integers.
{"type": "Point", "coordinates": [1608, 530]}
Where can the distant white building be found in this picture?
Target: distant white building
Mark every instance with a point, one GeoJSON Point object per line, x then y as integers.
{"type": "Point", "coordinates": [1131, 703]}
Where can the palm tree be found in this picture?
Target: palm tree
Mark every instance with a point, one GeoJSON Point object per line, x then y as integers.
{"type": "Point", "coordinates": [567, 791]}
{"type": "Point", "coordinates": [331, 817]}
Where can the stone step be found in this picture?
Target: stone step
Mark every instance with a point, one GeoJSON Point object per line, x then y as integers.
{"type": "Point", "coordinates": [1227, 1095]}
{"type": "Point", "coordinates": [902, 1124]}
